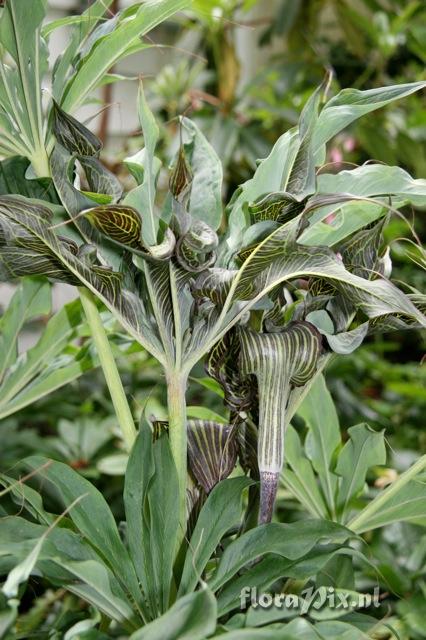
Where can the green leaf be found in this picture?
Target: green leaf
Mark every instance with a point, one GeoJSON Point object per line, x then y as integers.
{"type": "Point", "coordinates": [301, 480]}
{"type": "Point", "coordinates": [20, 36]}
{"type": "Point", "coordinates": [292, 541]}
{"type": "Point", "coordinates": [31, 299]}
{"type": "Point", "coordinates": [374, 180]}
{"type": "Point", "coordinates": [271, 174]}
{"type": "Point", "coordinates": [212, 451]}
{"type": "Point", "coordinates": [301, 182]}
{"type": "Point", "coordinates": [351, 104]}
{"type": "Point", "coordinates": [206, 185]}
{"type": "Point", "coordinates": [114, 47]}
{"type": "Point", "coordinates": [364, 449]}
{"type": "Point", "coordinates": [47, 365]}
{"type": "Point", "coordinates": [320, 415]}
{"type": "Point", "coordinates": [272, 567]}
{"type": "Point", "coordinates": [22, 571]}
{"type": "Point", "coordinates": [151, 502]}
{"type": "Point", "coordinates": [221, 512]}
{"type": "Point", "coordinates": [13, 180]}
{"type": "Point", "coordinates": [104, 282]}
{"type": "Point", "coordinates": [142, 198]}
{"type": "Point", "coordinates": [279, 258]}
{"type": "Point", "coordinates": [92, 517]}
{"type": "Point", "coordinates": [121, 224]}
{"type": "Point", "coordinates": [192, 617]}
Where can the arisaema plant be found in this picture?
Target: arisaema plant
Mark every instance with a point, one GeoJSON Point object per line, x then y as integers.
{"type": "Point", "coordinates": [263, 290]}
{"type": "Point", "coordinates": [264, 301]}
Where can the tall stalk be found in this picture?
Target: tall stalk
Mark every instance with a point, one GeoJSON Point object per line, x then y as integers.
{"type": "Point", "coordinates": [109, 368]}
{"type": "Point", "coordinates": [176, 402]}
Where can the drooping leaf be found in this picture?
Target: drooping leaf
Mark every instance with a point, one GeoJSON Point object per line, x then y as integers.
{"type": "Point", "coordinates": [104, 282]}
{"type": "Point", "coordinates": [351, 104]}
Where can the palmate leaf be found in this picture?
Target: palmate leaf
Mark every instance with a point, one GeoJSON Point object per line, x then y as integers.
{"type": "Point", "coordinates": [104, 282]}
{"type": "Point", "coordinates": [280, 361]}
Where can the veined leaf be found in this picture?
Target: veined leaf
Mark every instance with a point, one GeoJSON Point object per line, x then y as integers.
{"type": "Point", "coordinates": [279, 361]}
{"type": "Point", "coordinates": [119, 223]}
{"type": "Point", "coordinates": [104, 282]}
{"type": "Point", "coordinates": [279, 257]}
{"type": "Point", "coordinates": [212, 451]}
{"type": "Point", "coordinates": [72, 135]}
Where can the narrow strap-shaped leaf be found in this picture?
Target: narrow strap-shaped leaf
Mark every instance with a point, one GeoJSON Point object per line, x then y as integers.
{"type": "Point", "coordinates": [279, 361]}
{"type": "Point", "coordinates": [212, 451]}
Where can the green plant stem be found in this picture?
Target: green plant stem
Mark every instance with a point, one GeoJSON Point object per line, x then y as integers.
{"type": "Point", "coordinates": [176, 402]}
{"type": "Point", "coordinates": [358, 523]}
{"type": "Point", "coordinates": [109, 368]}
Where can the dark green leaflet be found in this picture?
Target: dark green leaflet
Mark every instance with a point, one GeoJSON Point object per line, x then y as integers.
{"type": "Point", "coordinates": [119, 223]}
{"type": "Point", "coordinates": [280, 361]}
{"type": "Point", "coordinates": [279, 206]}
{"type": "Point", "coordinates": [72, 135]}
